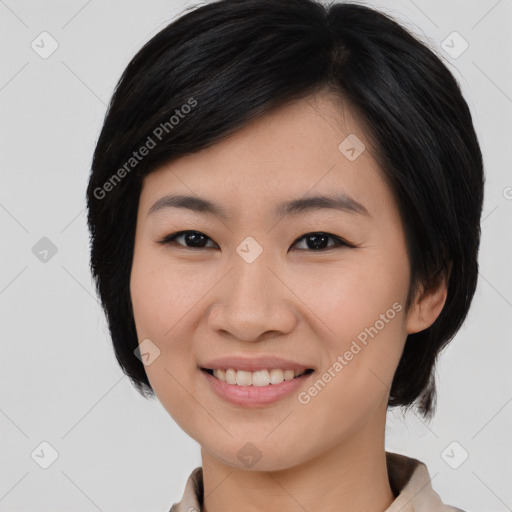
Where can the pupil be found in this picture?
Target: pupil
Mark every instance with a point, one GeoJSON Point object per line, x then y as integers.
{"type": "Point", "coordinates": [194, 238]}
{"type": "Point", "coordinates": [316, 243]}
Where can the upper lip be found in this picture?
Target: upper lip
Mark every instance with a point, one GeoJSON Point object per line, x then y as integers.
{"type": "Point", "coordinates": [254, 364]}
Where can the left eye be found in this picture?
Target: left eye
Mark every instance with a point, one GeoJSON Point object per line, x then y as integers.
{"type": "Point", "coordinates": [316, 240]}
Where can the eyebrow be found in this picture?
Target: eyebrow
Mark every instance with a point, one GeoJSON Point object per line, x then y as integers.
{"type": "Point", "coordinates": [339, 201]}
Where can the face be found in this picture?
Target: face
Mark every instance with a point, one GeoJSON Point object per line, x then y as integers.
{"type": "Point", "coordinates": [323, 287]}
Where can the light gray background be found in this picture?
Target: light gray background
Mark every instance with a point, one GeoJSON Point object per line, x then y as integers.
{"type": "Point", "coordinates": [60, 382]}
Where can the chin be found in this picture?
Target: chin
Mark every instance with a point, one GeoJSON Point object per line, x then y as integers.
{"type": "Point", "coordinates": [258, 456]}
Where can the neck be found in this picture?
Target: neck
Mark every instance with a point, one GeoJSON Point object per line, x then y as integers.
{"type": "Point", "coordinates": [351, 476]}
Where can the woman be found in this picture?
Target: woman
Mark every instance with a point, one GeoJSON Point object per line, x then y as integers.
{"type": "Point", "coordinates": [284, 209]}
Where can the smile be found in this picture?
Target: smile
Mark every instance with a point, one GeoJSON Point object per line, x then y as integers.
{"type": "Point", "coordinates": [258, 378]}
{"type": "Point", "coordinates": [241, 387]}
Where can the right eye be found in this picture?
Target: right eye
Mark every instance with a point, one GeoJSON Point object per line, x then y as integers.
{"type": "Point", "coordinates": [195, 238]}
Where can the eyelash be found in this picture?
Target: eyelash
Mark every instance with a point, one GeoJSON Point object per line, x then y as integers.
{"type": "Point", "coordinates": [340, 242]}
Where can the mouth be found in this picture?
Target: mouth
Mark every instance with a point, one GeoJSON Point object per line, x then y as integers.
{"type": "Point", "coordinates": [261, 378]}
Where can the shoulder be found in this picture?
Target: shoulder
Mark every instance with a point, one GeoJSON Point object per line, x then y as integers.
{"type": "Point", "coordinates": [192, 495]}
{"type": "Point", "coordinates": [412, 485]}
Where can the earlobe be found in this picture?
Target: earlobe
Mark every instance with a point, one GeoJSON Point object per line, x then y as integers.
{"type": "Point", "coordinates": [427, 306]}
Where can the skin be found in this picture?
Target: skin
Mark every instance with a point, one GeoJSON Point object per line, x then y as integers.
{"type": "Point", "coordinates": [293, 301]}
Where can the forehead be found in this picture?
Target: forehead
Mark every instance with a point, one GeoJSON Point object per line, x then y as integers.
{"type": "Point", "coordinates": [301, 149]}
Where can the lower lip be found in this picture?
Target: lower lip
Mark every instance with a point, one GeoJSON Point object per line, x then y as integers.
{"type": "Point", "coordinates": [254, 396]}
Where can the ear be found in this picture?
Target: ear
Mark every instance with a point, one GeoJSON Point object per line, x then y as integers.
{"type": "Point", "coordinates": [428, 305]}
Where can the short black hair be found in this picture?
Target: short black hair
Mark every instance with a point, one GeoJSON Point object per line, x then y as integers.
{"type": "Point", "coordinates": [223, 64]}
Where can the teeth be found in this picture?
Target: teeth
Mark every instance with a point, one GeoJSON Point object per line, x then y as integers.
{"type": "Point", "coordinates": [243, 378]}
{"type": "Point", "coordinates": [259, 378]}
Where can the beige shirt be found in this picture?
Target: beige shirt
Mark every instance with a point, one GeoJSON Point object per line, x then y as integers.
{"type": "Point", "coordinates": [408, 477]}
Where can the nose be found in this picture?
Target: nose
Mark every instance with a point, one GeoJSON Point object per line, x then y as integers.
{"type": "Point", "coordinates": [253, 303]}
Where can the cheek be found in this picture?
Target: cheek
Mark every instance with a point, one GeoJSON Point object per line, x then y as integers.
{"type": "Point", "coordinates": [163, 298]}
{"type": "Point", "coordinates": [350, 296]}
{"type": "Point", "coordinates": [162, 294]}
{"type": "Point", "coordinates": [359, 366]}
{"type": "Point", "coordinates": [360, 313]}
